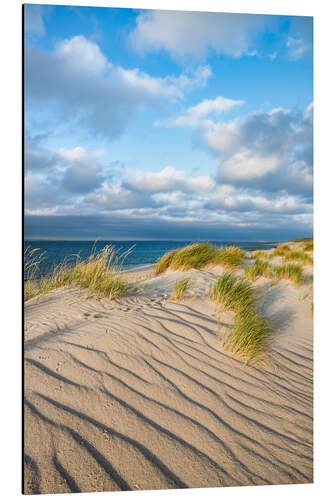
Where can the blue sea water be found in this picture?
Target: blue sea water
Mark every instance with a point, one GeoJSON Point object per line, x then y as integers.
{"type": "Point", "coordinates": [143, 253]}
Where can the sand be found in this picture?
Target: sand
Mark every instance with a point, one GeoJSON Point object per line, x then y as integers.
{"type": "Point", "coordinates": [138, 394]}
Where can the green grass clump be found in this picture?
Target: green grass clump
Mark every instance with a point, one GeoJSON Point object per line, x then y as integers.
{"type": "Point", "coordinates": [298, 256]}
{"type": "Point", "coordinates": [259, 254]}
{"type": "Point", "coordinates": [178, 292]}
{"type": "Point", "coordinates": [233, 293]}
{"type": "Point", "coordinates": [194, 256]}
{"type": "Point", "coordinates": [280, 251]}
{"type": "Point", "coordinates": [99, 274]}
{"type": "Point", "coordinates": [250, 333]}
{"type": "Point", "coordinates": [230, 257]}
{"type": "Point", "coordinates": [308, 247]}
{"type": "Point", "coordinates": [249, 336]}
{"type": "Point", "coordinates": [199, 255]}
{"type": "Point", "coordinates": [259, 268]}
{"type": "Point", "coordinates": [164, 262]}
{"type": "Point", "coordinates": [292, 272]}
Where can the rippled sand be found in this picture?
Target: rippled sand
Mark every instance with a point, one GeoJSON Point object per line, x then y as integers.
{"type": "Point", "coordinates": [138, 394]}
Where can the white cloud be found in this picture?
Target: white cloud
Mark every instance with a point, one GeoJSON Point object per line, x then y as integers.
{"type": "Point", "coordinates": [195, 114]}
{"type": "Point", "coordinates": [168, 180]}
{"type": "Point", "coordinates": [270, 149]}
{"type": "Point", "coordinates": [78, 83]}
{"type": "Point", "coordinates": [194, 34]}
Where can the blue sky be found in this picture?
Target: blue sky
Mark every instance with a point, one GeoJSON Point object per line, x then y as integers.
{"type": "Point", "coordinates": [167, 125]}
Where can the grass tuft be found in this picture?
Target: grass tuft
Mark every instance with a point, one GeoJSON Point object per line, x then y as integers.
{"type": "Point", "coordinates": [292, 272]}
{"type": "Point", "coordinates": [298, 256]}
{"type": "Point", "coordinates": [259, 268]}
{"type": "Point", "coordinates": [199, 255]}
{"type": "Point", "coordinates": [99, 274]}
{"type": "Point", "coordinates": [230, 257]}
{"type": "Point", "coordinates": [259, 254]}
{"type": "Point", "coordinates": [308, 247]}
{"type": "Point", "coordinates": [178, 292]}
{"type": "Point", "coordinates": [194, 256]}
{"type": "Point", "coordinates": [250, 333]}
{"type": "Point", "coordinates": [233, 293]}
{"type": "Point", "coordinates": [280, 251]}
{"type": "Point", "coordinates": [249, 336]}
{"type": "Point", "coordinates": [164, 262]}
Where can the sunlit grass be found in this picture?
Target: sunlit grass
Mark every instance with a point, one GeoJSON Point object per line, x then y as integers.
{"type": "Point", "coordinates": [308, 247]}
{"type": "Point", "coordinates": [280, 251]}
{"type": "Point", "coordinates": [292, 272]}
{"type": "Point", "coordinates": [179, 290]}
{"type": "Point", "coordinates": [194, 256]}
{"type": "Point", "coordinates": [230, 257]}
{"type": "Point", "coordinates": [163, 263]}
{"type": "Point", "coordinates": [233, 293]}
{"type": "Point", "coordinates": [98, 274]}
{"type": "Point", "coordinates": [198, 256]}
{"type": "Point", "coordinates": [259, 254]}
{"type": "Point", "coordinates": [298, 256]}
{"type": "Point", "coordinates": [259, 268]}
{"type": "Point", "coordinates": [250, 333]}
{"type": "Point", "coordinates": [249, 337]}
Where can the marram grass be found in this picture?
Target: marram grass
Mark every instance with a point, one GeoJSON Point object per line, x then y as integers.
{"type": "Point", "coordinates": [259, 268]}
{"type": "Point", "coordinates": [233, 293]}
{"type": "Point", "coordinates": [98, 274]}
{"type": "Point", "coordinates": [250, 334]}
{"type": "Point", "coordinates": [292, 272]}
{"type": "Point", "coordinates": [199, 255]}
{"type": "Point", "coordinates": [180, 288]}
{"type": "Point", "coordinates": [298, 256]}
{"type": "Point", "coordinates": [259, 254]}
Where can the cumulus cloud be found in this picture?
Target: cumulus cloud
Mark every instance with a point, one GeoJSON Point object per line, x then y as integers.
{"type": "Point", "coordinates": [84, 173]}
{"type": "Point", "coordinates": [168, 180]}
{"type": "Point", "coordinates": [195, 114]}
{"type": "Point", "coordinates": [195, 34]}
{"type": "Point", "coordinates": [78, 83]}
{"type": "Point", "coordinates": [271, 151]}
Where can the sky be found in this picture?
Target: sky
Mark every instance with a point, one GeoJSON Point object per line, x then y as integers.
{"type": "Point", "coordinates": [167, 125]}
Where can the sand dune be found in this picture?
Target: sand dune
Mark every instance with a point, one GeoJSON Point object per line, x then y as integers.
{"type": "Point", "coordinates": [138, 394]}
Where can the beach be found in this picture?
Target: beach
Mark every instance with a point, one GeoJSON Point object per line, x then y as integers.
{"type": "Point", "coordinates": [137, 393]}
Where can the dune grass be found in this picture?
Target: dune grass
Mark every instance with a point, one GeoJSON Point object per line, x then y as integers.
{"type": "Point", "coordinates": [179, 290]}
{"type": "Point", "coordinates": [163, 263]}
{"type": "Point", "coordinates": [233, 293]}
{"type": "Point", "coordinates": [98, 274]}
{"type": "Point", "coordinates": [199, 255]}
{"type": "Point", "coordinates": [259, 254]}
{"type": "Point", "coordinates": [298, 256]}
{"type": "Point", "coordinates": [250, 333]}
{"type": "Point", "coordinates": [249, 338]}
{"type": "Point", "coordinates": [230, 257]}
{"type": "Point", "coordinates": [259, 268]}
{"type": "Point", "coordinates": [308, 247]}
{"type": "Point", "coordinates": [292, 272]}
{"type": "Point", "coordinates": [281, 251]}
{"type": "Point", "coordinates": [194, 256]}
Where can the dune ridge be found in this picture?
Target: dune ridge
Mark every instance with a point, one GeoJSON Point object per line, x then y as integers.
{"type": "Point", "coordinates": [137, 393]}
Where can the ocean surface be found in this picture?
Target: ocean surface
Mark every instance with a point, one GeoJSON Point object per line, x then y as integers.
{"type": "Point", "coordinates": [141, 254]}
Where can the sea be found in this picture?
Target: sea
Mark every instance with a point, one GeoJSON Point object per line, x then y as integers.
{"type": "Point", "coordinates": [140, 254]}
